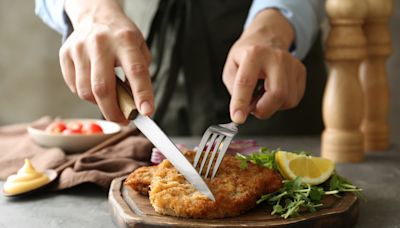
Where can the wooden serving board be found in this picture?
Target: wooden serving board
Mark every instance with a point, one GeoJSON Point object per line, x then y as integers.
{"type": "Point", "coordinates": [130, 209]}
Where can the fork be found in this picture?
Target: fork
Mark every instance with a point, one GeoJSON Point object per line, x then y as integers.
{"type": "Point", "coordinates": [221, 133]}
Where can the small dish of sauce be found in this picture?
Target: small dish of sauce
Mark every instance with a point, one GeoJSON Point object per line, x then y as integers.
{"type": "Point", "coordinates": [27, 180]}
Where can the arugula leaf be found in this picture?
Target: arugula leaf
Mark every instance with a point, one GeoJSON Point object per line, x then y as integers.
{"type": "Point", "coordinates": [243, 160]}
{"type": "Point", "coordinates": [338, 184]}
{"type": "Point", "coordinates": [316, 193]}
{"type": "Point", "coordinates": [263, 157]}
{"type": "Point", "coordinates": [277, 209]}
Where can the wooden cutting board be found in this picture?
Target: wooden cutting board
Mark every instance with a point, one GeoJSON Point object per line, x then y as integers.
{"type": "Point", "coordinates": [130, 209]}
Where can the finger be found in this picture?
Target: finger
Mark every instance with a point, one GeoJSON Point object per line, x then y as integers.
{"type": "Point", "coordinates": [137, 73]}
{"type": "Point", "coordinates": [275, 92]}
{"type": "Point", "coordinates": [301, 80]}
{"type": "Point", "coordinates": [82, 72]}
{"type": "Point", "coordinates": [103, 86]}
{"type": "Point", "coordinates": [296, 85]}
{"type": "Point", "coordinates": [67, 68]}
{"type": "Point", "coordinates": [229, 74]}
{"type": "Point", "coordinates": [146, 53]}
{"type": "Point", "coordinates": [289, 99]}
{"type": "Point", "coordinates": [243, 88]}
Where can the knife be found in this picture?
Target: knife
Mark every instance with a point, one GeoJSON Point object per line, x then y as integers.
{"type": "Point", "coordinates": [153, 132]}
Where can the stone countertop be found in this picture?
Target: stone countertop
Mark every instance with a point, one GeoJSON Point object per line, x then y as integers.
{"type": "Point", "coordinates": [87, 205]}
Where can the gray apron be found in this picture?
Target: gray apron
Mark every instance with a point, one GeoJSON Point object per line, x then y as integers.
{"type": "Point", "coordinates": [189, 41]}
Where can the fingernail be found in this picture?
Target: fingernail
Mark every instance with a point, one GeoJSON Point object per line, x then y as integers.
{"type": "Point", "coordinates": [145, 107]}
{"type": "Point", "coordinates": [238, 116]}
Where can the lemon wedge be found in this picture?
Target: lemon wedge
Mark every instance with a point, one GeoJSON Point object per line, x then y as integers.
{"type": "Point", "coordinates": [312, 170]}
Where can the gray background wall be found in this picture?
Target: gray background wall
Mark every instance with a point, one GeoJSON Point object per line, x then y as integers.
{"type": "Point", "coordinates": [31, 84]}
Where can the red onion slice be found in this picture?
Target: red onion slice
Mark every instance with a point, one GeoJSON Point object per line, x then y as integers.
{"type": "Point", "coordinates": [245, 147]}
{"type": "Point", "coordinates": [157, 157]}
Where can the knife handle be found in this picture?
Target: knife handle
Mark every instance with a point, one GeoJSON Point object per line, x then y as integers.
{"type": "Point", "coordinates": [125, 100]}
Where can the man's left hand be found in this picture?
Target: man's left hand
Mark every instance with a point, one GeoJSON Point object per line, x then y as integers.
{"type": "Point", "coordinates": [262, 53]}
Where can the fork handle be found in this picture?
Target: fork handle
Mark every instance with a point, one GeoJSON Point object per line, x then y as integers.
{"type": "Point", "coordinates": [257, 94]}
{"type": "Point", "coordinates": [125, 100]}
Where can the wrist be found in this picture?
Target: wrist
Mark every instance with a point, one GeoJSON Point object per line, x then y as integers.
{"type": "Point", "coordinates": [274, 29]}
{"type": "Point", "coordinates": [80, 11]}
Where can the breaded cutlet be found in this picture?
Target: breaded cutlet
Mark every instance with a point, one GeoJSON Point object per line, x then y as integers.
{"type": "Point", "coordinates": [236, 190]}
{"type": "Point", "coordinates": [140, 179]}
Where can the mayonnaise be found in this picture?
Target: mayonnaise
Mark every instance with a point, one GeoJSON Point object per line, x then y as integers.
{"type": "Point", "coordinates": [25, 180]}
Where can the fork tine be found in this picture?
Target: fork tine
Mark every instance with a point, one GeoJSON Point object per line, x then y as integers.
{"type": "Point", "coordinates": [216, 147]}
{"type": "Point", "coordinates": [200, 149]}
{"type": "Point", "coordinates": [210, 144]}
{"type": "Point", "coordinates": [221, 154]}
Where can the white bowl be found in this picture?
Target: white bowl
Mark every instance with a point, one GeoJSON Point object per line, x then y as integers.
{"type": "Point", "coordinates": [74, 143]}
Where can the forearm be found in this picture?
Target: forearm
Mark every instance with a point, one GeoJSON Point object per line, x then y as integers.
{"type": "Point", "coordinates": [304, 16]}
{"type": "Point", "coordinates": [95, 10]}
{"type": "Point", "coordinates": [272, 27]}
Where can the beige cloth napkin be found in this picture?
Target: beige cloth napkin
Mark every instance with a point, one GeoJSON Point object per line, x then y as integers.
{"type": "Point", "coordinates": [98, 168]}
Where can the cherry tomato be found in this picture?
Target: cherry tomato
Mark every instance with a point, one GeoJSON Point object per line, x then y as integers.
{"type": "Point", "coordinates": [56, 127]}
{"type": "Point", "coordinates": [75, 127]}
{"type": "Point", "coordinates": [71, 132]}
{"type": "Point", "coordinates": [92, 128]}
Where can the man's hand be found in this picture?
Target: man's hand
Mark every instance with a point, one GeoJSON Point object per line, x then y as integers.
{"type": "Point", "coordinates": [104, 37]}
{"type": "Point", "coordinates": [262, 53]}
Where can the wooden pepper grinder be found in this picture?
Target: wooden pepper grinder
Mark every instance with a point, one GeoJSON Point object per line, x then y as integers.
{"type": "Point", "coordinates": [342, 139]}
{"type": "Point", "coordinates": [373, 76]}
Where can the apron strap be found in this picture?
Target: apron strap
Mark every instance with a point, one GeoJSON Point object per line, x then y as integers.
{"type": "Point", "coordinates": [183, 22]}
{"type": "Point", "coordinates": [165, 26]}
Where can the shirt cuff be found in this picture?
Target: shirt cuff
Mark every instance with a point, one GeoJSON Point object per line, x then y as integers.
{"type": "Point", "coordinates": [300, 15]}
{"type": "Point", "coordinates": [53, 14]}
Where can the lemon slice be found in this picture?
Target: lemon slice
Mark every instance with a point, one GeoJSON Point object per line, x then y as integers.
{"type": "Point", "coordinates": [312, 170]}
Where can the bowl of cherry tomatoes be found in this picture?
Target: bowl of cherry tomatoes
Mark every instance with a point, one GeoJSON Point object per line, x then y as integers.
{"type": "Point", "coordinates": [74, 135]}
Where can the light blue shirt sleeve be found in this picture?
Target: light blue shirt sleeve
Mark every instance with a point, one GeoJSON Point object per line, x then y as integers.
{"type": "Point", "coordinates": [304, 15]}
{"type": "Point", "coordinates": [53, 14]}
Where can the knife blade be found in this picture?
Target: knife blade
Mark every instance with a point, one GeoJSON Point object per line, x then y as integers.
{"type": "Point", "coordinates": [151, 130]}
{"type": "Point", "coordinates": [160, 140]}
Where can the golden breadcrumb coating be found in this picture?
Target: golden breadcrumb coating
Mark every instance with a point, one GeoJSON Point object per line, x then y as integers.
{"type": "Point", "coordinates": [236, 190]}
{"type": "Point", "coordinates": [141, 178]}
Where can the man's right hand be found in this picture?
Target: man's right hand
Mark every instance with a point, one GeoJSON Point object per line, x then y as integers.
{"type": "Point", "coordinates": [103, 38]}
